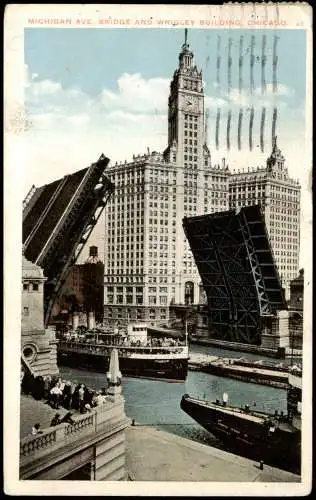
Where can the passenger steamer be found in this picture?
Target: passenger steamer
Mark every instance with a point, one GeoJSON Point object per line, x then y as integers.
{"type": "Point", "coordinates": [139, 355]}
{"type": "Point", "coordinates": [274, 438]}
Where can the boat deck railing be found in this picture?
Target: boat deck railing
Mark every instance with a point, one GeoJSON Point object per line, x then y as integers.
{"type": "Point", "coordinates": [104, 349]}
{"type": "Point", "coordinates": [279, 420]}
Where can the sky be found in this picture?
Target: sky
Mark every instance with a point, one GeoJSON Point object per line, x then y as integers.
{"type": "Point", "coordinates": [105, 90]}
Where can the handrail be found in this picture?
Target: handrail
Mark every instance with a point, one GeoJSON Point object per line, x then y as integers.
{"type": "Point", "coordinates": [120, 346]}
{"type": "Point", "coordinates": [101, 348]}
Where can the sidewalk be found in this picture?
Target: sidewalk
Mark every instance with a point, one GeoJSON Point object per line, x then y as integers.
{"type": "Point", "coordinates": [154, 455]}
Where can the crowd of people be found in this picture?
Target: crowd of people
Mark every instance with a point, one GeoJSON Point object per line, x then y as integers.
{"type": "Point", "coordinates": [60, 393]}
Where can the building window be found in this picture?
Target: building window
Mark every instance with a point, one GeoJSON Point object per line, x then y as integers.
{"type": "Point", "coordinates": [25, 286]}
{"type": "Point", "coordinates": [189, 292]}
{"type": "Point", "coordinates": [26, 311]}
{"type": "Point", "coordinates": [35, 287]}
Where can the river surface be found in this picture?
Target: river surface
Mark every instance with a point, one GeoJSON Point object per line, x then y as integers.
{"type": "Point", "coordinates": [157, 403]}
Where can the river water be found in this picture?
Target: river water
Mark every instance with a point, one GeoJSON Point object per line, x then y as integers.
{"type": "Point", "coordinates": [157, 403]}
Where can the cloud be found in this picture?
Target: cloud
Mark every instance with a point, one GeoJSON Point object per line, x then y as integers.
{"type": "Point", "coordinates": [281, 91]}
{"type": "Point", "coordinates": [133, 117]}
{"type": "Point", "coordinates": [46, 87]}
{"type": "Point", "coordinates": [137, 94]}
{"type": "Point", "coordinates": [215, 102]}
{"type": "Point", "coordinates": [268, 99]}
{"type": "Point", "coordinates": [244, 98]}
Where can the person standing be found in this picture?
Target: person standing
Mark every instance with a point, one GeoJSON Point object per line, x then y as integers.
{"type": "Point", "coordinates": [47, 380]}
{"type": "Point", "coordinates": [67, 395]}
{"type": "Point", "coordinates": [81, 394]}
{"type": "Point", "coordinates": [75, 396]}
{"type": "Point", "coordinates": [56, 396]}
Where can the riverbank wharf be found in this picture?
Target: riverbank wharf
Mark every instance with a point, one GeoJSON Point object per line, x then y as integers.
{"type": "Point", "coordinates": [248, 371]}
{"type": "Point", "coordinates": [155, 455]}
{"type": "Point", "coordinates": [237, 346]}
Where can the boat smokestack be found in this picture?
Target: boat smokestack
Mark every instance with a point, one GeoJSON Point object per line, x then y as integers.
{"type": "Point", "coordinates": [75, 321]}
{"type": "Point", "coordinates": [91, 320]}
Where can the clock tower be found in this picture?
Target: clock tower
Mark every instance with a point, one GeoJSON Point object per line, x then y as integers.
{"type": "Point", "coordinates": [186, 112]}
{"type": "Point", "coordinates": [188, 153]}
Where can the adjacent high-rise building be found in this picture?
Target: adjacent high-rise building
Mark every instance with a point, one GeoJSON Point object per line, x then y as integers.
{"type": "Point", "coordinates": [148, 262]}
{"type": "Point", "coordinates": [279, 197]}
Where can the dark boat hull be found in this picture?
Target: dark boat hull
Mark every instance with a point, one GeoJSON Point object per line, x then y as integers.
{"type": "Point", "coordinates": [250, 439]}
{"type": "Point", "coordinates": [170, 369]}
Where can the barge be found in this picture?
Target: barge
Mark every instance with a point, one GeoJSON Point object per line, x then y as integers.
{"type": "Point", "coordinates": [272, 438]}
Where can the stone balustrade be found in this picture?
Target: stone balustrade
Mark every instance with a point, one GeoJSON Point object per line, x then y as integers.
{"type": "Point", "coordinates": [81, 423]}
{"type": "Point", "coordinates": [60, 435]}
{"type": "Point", "coordinates": [30, 444]}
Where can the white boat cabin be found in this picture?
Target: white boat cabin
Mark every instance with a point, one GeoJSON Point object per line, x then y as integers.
{"type": "Point", "coordinates": [137, 332]}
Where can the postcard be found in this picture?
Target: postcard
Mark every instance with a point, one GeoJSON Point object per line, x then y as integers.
{"type": "Point", "coordinates": [158, 297]}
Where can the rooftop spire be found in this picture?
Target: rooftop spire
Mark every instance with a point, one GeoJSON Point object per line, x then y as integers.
{"type": "Point", "coordinates": [275, 143]}
{"type": "Point", "coordinates": [186, 55]}
{"type": "Point", "coordinates": [185, 46]}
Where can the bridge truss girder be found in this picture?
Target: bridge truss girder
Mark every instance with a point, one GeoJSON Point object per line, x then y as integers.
{"type": "Point", "coordinates": [71, 231]}
{"type": "Point", "coordinates": [232, 273]}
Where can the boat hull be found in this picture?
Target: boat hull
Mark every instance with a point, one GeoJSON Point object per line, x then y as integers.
{"type": "Point", "coordinates": [246, 437]}
{"type": "Point", "coordinates": [164, 369]}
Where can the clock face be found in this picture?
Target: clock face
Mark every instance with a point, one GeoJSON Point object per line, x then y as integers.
{"type": "Point", "coordinates": [191, 103]}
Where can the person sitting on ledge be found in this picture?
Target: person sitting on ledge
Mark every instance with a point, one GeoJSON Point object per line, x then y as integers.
{"type": "Point", "coordinates": [87, 408]}
{"type": "Point", "coordinates": [36, 429]}
{"type": "Point", "coordinates": [56, 420]}
{"type": "Point", "coordinates": [67, 419]}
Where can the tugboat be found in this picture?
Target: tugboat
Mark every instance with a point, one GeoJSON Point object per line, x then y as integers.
{"type": "Point", "coordinates": [271, 438]}
{"type": "Point", "coordinates": [139, 355]}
